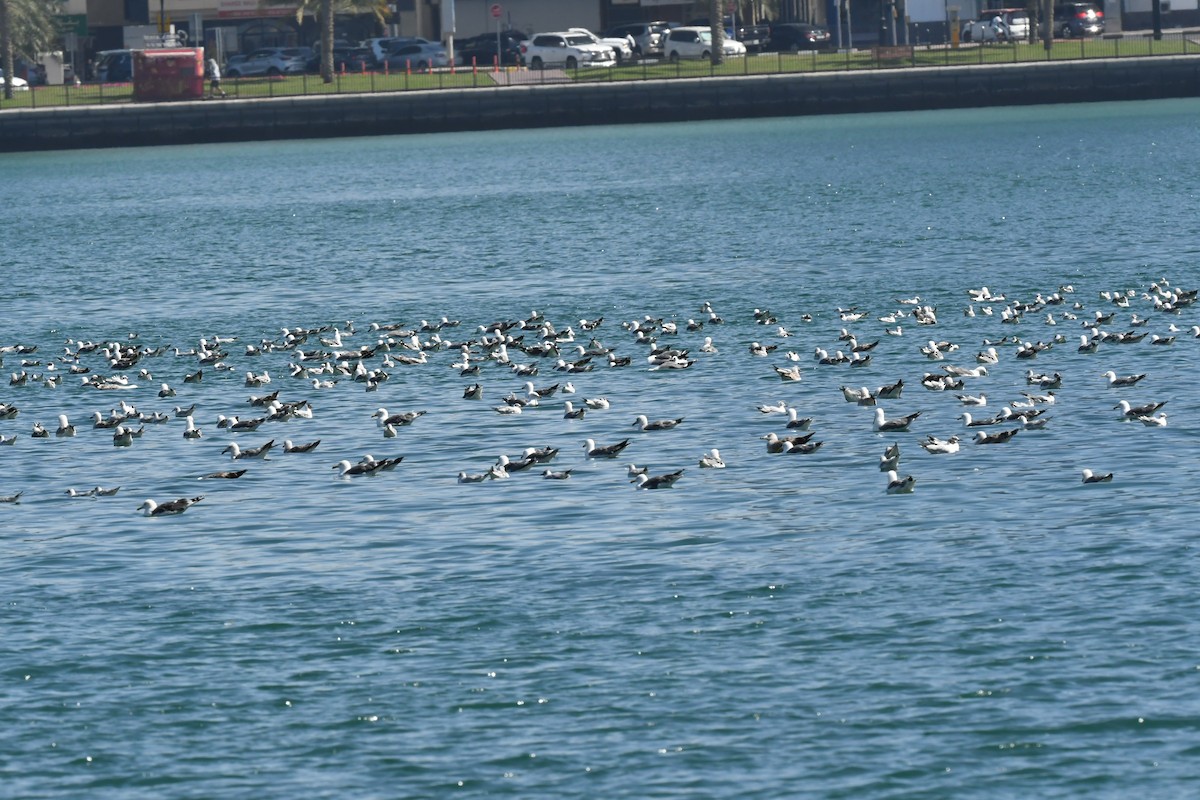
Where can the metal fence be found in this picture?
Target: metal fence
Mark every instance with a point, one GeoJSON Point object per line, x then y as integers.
{"type": "Point", "coordinates": [491, 76]}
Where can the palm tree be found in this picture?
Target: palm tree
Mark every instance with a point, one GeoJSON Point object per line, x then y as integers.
{"type": "Point", "coordinates": [716, 21]}
{"type": "Point", "coordinates": [26, 28]}
{"type": "Point", "coordinates": [324, 10]}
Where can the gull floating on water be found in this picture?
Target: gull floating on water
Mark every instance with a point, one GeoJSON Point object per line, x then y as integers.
{"type": "Point", "coordinates": [65, 428]}
{"type": "Point", "coordinates": [1154, 422]}
{"type": "Point", "coordinates": [1000, 437]}
{"type": "Point", "coordinates": [778, 408]}
{"type": "Point", "coordinates": [1091, 477]}
{"type": "Point", "coordinates": [796, 422]}
{"type": "Point", "coordinates": [898, 485]}
{"type": "Point", "coordinates": [225, 474]}
{"type": "Point", "coordinates": [1133, 412]}
{"type": "Point", "coordinates": [1115, 380]}
{"type": "Point", "coordinates": [153, 509]}
{"type": "Point", "coordinates": [236, 452]}
{"type": "Point", "coordinates": [941, 446]}
{"type": "Point", "coordinates": [604, 451]}
{"type": "Point", "coordinates": [712, 460]}
{"type": "Point", "coordinates": [658, 425]}
{"type": "Point", "coordinates": [666, 481]}
{"type": "Point", "coordinates": [883, 424]}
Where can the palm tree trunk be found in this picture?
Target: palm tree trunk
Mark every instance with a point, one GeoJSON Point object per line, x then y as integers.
{"type": "Point", "coordinates": [6, 50]}
{"type": "Point", "coordinates": [716, 19]}
{"type": "Point", "coordinates": [325, 22]}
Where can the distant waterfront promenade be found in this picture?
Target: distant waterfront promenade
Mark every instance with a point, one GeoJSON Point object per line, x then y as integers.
{"type": "Point", "coordinates": [541, 105]}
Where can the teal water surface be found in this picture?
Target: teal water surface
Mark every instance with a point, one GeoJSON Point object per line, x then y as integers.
{"type": "Point", "coordinates": [780, 627]}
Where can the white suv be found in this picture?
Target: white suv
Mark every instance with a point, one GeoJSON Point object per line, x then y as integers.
{"type": "Point", "coordinates": [567, 49]}
{"type": "Point", "coordinates": [622, 46]}
{"type": "Point", "coordinates": [693, 41]}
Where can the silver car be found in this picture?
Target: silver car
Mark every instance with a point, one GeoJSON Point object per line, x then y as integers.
{"type": "Point", "coordinates": [271, 61]}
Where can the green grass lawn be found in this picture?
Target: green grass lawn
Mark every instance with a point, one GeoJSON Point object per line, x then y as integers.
{"type": "Point", "coordinates": [764, 64]}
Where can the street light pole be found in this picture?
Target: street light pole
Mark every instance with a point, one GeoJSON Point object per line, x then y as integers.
{"type": "Point", "coordinates": [1156, 7]}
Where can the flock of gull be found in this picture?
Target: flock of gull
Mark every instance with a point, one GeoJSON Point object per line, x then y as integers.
{"type": "Point", "coordinates": [282, 379]}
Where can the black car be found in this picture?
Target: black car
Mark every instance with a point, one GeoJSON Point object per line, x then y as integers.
{"type": "Point", "coordinates": [790, 37]}
{"type": "Point", "coordinates": [1078, 19]}
{"type": "Point", "coordinates": [482, 48]}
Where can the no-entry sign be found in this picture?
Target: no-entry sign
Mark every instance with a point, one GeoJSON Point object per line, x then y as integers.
{"type": "Point", "coordinates": [496, 10]}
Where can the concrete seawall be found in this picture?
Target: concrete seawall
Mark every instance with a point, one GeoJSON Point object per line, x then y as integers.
{"type": "Point", "coordinates": [600, 103]}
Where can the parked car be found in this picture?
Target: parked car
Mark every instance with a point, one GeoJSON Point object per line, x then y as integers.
{"type": "Point", "coordinates": [790, 37]}
{"type": "Point", "coordinates": [1013, 26]}
{"type": "Point", "coordinates": [382, 45]}
{"type": "Point", "coordinates": [1078, 19]}
{"type": "Point", "coordinates": [567, 50]}
{"type": "Point", "coordinates": [1017, 20]}
{"type": "Point", "coordinates": [270, 61]}
{"type": "Point", "coordinates": [754, 37]}
{"type": "Point", "coordinates": [114, 66]}
{"type": "Point", "coordinates": [647, 36]}
{"type": "Point", "coordinates": [18, 84]}
{"type": "Point", "coordinates": [984, 30]}
{"type": "Point", "coordinates": [482, 48]}
{"type": "Point", "coordinates": [622, 46]}
{"type": "Point", "coordinates": [417, 56]}
{"type": "Point", "coordinates": [692, 41]}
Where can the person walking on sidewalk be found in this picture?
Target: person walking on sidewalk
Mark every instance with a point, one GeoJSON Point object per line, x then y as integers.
{"type": "Point", "coordinates": [214, 77]}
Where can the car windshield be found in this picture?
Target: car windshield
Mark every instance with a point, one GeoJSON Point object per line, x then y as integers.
{"type": "Point", "coordinates": [706, 36]}
{"type": "Point", "coordinates": [578, 39]}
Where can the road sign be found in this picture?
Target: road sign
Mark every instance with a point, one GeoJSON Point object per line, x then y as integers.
{"type": "Point", "coordinates": [496, 10]}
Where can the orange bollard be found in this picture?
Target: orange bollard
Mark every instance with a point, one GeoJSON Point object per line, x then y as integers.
{"type": "Point", "coordinates": [474, 66]}
{"type": "Point", "coordinates": [408, 66]}
{"type": "Point", "coordinates": [495, 63]}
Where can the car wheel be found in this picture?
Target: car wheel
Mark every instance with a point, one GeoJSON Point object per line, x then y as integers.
{"type": "Point", "coordinates": [674, 57]}
{"type": "Point", "coordinates": [233, 73]}
{"type": "Point", "coordinates": [572, 64]}
{"type": "Point", "coordinates": [422, 66]}
{"type": "Point", "coordinates": [706, 56]}
{"type": "Point", "coordinates": [796, 48]}
{"type": "Point", "coordinates": [966, 37]}
{"type": "Point", "coordinates": [536, 63]}
{"type": "Point", "coordinates": [273, 72]}
{"type": "Point", "coordinates": [1066, 32]}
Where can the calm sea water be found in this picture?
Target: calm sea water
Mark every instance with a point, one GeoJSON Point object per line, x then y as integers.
{"type": "Point", "coordinates": [782, 627]}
